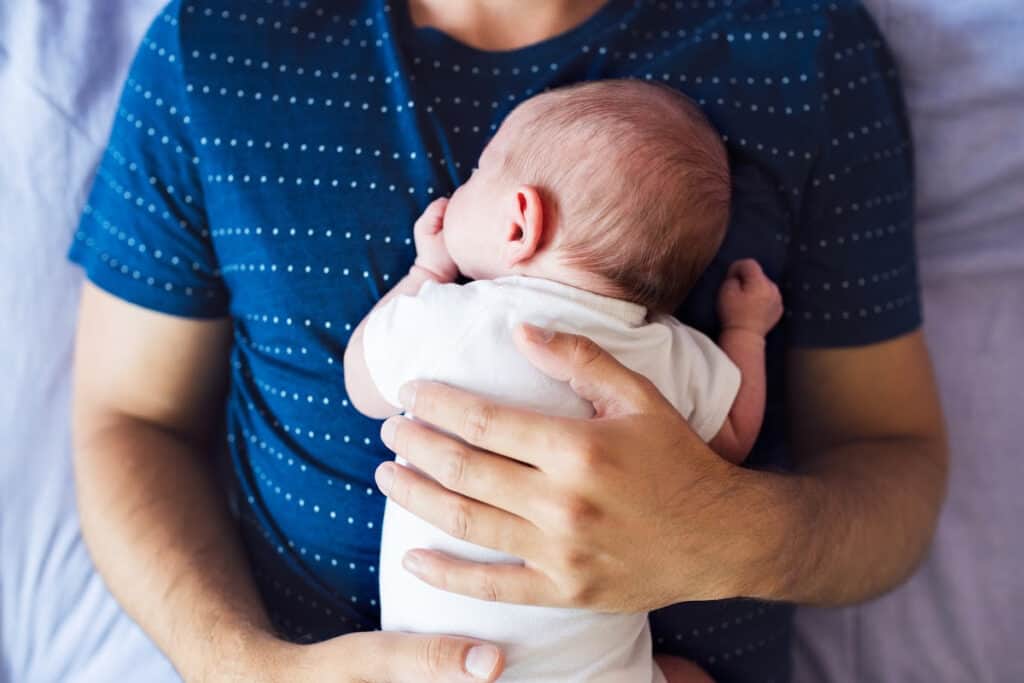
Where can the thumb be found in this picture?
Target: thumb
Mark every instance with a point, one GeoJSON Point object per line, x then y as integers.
{"type": "Point", "coordinates": [395, 657]}
{"type": "Point", "coordinates": [746, 270]}
{"type": "Point", "coordinates": [431, 220]}
{"type": "Point", "coordinates": [591, 371]}
{"type": "Point", "coordinates": [729, 286]}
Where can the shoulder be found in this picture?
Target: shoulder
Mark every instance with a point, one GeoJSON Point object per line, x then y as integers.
{"type": "Point", "coordinates": [299, 19]}
{"type": "Point", "coordinates": [685, 337]}
{"type": "Point", "coordinates": [226, 31]}
{"type": "Point", "coordinates": [435, 307]}
{"type": "Point", "coordinates": [452, 294]}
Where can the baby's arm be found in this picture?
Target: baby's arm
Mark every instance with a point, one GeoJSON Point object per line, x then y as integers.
{"type": "Point", "coordinates": [749, 306]}
{"type": "Point", "coordinates": [432, 263]}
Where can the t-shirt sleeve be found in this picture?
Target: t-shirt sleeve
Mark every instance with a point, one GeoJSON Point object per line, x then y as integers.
{"type": "Point", "coordinates": [143, 234]}
{"type": "Point", "coordinates": [712, 383]}
{"type": "Point", "coordinates": [406, 338]}
{"type": "Point", "coordinates": [852, 276]}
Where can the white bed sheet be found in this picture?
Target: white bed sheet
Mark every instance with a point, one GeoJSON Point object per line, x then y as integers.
{"type": "Point", "coordinates": [960, 619]}
{"type": "Point", "coordinates": [61, 66]}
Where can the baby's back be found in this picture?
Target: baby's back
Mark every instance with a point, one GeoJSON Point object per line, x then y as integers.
{"type": "Point", "coordinates": [463, 336]}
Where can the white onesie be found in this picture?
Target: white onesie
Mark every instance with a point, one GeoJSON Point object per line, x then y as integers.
{"type": "Point", "coordinates": [462, 335]}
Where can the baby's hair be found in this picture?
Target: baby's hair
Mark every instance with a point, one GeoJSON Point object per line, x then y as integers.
{"type": "Point", "coordinates": [641, 190]}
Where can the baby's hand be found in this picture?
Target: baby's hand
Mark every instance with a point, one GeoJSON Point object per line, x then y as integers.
{"type": "Point", "coordinates": [748, 299]}
{"type": "Point", "coordinates": [431, 252]}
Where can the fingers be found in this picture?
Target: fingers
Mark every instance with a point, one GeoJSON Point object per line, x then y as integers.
{"type": "Point", "coordinates": [395, 657]}
{"type": "Point", "coordinates": [432, 219]}
{"type": "Point", "coordinates": [729, 286]}
{"type": "Point", "coordinates": [492, 479]}
{"type": "Point", "coordinates": [524, 435]}
{"type": "Point", "coordinates": [512, 583]}
{"type": "Point", "coordinates": [591, 371]}
{"type": "Point", "coordinates": [459, 517]}
{"type": "Point", "coordinates": [746, 270]}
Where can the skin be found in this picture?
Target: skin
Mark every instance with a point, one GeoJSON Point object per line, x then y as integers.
{"type": "Point", "coordinates": [851, 523]}
{"type": "Point", "coordinates": [498, 228]}
{"type": "Point", "coordinates": [494, 227]}
{"type": "Point", "coordinates": [502, 24]}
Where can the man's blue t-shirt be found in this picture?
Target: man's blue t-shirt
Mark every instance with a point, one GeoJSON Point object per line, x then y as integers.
{"type": "Point", "coordinates": [268, 160]}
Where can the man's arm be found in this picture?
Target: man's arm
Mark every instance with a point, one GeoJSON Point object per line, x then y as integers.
{"type": "Point", "coordinates": [851, 523]}
{"type": "Point", "coordinates": [146, 386]}
{"type": "Point", "coordinates": [871, 452]}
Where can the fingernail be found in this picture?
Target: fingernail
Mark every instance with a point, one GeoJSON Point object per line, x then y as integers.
{"type": "Point", "coordinates": [412, 563]}
{"type": "Point", "coordinates": [387, 432]}
{"type": "Point", "coordinates": [538, 335]}
{"type": "Point", "coordinates": [384, 476]}
{"type": "Point", "coordinates": [407, 395]}
{"type": "Point", "coordinates": [481, 660]}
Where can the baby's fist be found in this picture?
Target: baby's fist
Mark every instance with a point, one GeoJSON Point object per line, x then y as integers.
{"type": "Point", "coordinates": [431, 252]}
{"type": "Point", "coordinates": [748, 299]}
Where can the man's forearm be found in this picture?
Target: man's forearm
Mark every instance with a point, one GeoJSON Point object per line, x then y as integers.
{"type": "Point", "coordinates": [849, 527]}
{"type": "Point", "coordinates": [161, 537]}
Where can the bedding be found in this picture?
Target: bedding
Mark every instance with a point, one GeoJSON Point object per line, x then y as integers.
{"type": "Point", "coordinates": [960, 617]}
{"type": "Point", "coordinates": [61, 67]}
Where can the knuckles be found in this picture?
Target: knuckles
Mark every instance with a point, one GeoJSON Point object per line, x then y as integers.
{"type": "Point", "coordinates": [584, 351]}
{"type": "Point", "coordinates": [574, 564]}
{"type": "Point", "coordinates": [434, 657]}
{"type": "Point", "coordinates": [453, 472]}
{"type": "Point", "coordinates": [580, 593]}
{"type": "Point", "coordinates": [486, 589]}
{"type": "Point", "coordinates": [458, 521]}
{"type": "Point", "coordinates": [586, 458]}
{"type": "Point", "coordinates": [476, 421]}
{"type": "Point", "coordinates": [574, 516]}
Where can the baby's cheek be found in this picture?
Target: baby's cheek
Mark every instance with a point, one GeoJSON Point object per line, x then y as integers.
{"type": "Point", "coordinates": [454, 242]}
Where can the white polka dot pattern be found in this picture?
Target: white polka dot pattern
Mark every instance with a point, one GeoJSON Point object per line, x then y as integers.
{"type": "Point", "coordinates": [267, 162]}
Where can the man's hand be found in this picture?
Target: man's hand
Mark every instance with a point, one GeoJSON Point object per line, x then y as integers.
{"type": "Point", "coordinates": [375, 657]}
{"type": "Point", "coordinates": [431, 252]}
{"type": "Point", "coordinates": [629, 511]}
{"type": "Point", "coordinates": [626, 512]}
{"type": "Point", "coordinates": [748, 300]}
{"type": "Point", "coordinates": [147, 391]}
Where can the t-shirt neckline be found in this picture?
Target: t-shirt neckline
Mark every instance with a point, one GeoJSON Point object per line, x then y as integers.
{"type": "Point", "coordinates": [434, 39]}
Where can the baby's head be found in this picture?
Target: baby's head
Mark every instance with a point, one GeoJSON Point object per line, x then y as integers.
{"type": "Point", "coordinates": [621, 187]}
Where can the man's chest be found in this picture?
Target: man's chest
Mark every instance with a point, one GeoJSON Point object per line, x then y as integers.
{"type": "Point", "coordinates": [315, 163]}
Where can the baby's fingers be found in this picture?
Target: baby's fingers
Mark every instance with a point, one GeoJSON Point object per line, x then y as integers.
{"type": "Point", "coordinates": [730, 286]}
{"type": "Point", "coordinates": [746, 270]}
{"type": "Point", "coordinates": [432, 219]}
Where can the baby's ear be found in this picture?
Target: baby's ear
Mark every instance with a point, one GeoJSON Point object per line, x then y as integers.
{"type": "Point", "coordinates": [525, 225]}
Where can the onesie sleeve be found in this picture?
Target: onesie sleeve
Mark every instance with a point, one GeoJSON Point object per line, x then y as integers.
{"type": "Point", "coordinates": [852, 276]}
{"type": "Point", "coordinates": [712, 383]}
{"type": "Point", "coordinates": [143, 235]}
{"type": "Point", "coordinates": [408, 337]}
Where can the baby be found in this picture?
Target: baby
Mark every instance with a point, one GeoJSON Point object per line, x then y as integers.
{"type": "Point", "coordinates": [593, 210]}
